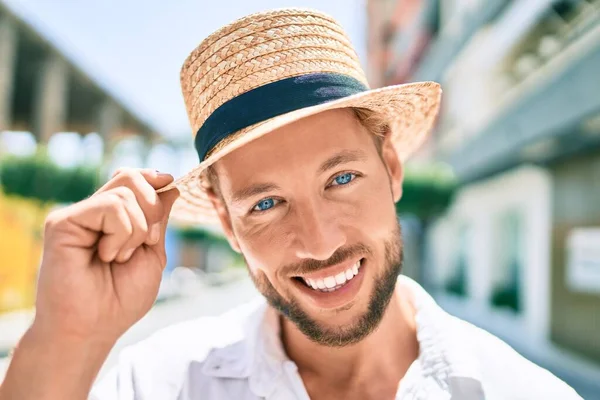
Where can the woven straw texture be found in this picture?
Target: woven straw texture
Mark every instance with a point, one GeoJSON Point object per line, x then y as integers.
{"type": "Point", "coordinates": [270, 46]}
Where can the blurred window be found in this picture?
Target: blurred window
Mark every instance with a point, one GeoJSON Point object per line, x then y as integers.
{"type": "Point", "coordinates": [457, 281]}
{"type": "Point", "coordinates": [508, 267]}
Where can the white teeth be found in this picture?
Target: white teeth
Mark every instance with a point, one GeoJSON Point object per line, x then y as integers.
{"type": "Point", "coordinates": [332, 283]}
{"type": "Point", "coordinates": [340, 278]}
{"type": "Point", "coordinates": [349, 274]}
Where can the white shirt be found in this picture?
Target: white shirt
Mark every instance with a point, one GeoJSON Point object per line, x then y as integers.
{"type": "Point", "coordinates": [239, 356]}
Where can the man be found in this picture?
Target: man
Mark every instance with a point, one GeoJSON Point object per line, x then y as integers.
{"type": "Point", "coordinates": [301, 165]}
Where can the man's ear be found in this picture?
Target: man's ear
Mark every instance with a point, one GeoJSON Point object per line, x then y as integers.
{"type": "Point", "coordinates": [221, 209]}
{"type": "Point", "coordinates": [394, 167]}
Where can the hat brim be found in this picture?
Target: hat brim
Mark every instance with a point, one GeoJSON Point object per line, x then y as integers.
{"type": "Point", "coordinates": [411, 110]}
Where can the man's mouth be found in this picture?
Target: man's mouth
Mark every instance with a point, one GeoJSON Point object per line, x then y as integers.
{"type": "Point", "coordinates": [333, 282]}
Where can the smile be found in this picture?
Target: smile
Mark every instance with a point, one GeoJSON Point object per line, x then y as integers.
{"type": "Point", "coordinates": [333, 282]}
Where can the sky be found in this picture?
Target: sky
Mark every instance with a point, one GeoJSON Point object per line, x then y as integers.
{"type": "Point", "coordinates": [135, 48]}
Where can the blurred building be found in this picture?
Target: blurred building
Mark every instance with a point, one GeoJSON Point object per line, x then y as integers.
{"type": "Point", "coordinates": [43, 92]}
{"type": "Point", "coordinates": [518, 252]}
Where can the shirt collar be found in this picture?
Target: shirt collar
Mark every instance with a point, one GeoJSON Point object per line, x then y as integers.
{"type": "Point", "coordinates": [445, 356]}
{"type": "Point", "coordinates": [256, 354]}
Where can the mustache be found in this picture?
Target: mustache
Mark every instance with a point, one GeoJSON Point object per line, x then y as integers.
{"type": "Point", "coordinates": [342, 254]}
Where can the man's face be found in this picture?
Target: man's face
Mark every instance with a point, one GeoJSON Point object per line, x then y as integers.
{"type": "Point", "coordinates": [311, 208]}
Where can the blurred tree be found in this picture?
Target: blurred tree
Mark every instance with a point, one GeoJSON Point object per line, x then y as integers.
{"type": "Point", "coordinates": [426, 191]}
{"type": "Point", "coordinates": [201, 236]}
{"type": "Point", "coordinates": [39, 178]}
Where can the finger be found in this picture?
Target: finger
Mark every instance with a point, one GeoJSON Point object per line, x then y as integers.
{"type": "Point", "coordinates": [116, 231]}
{"type": "Point", "coordinates": [139, 181]}
{"type": "Point", "coordinates": [167, 199]}
{"type": "Point", "coordinates": [154, 232]}
{"type": "Point", "coordinates": [116, 245]}
{"type": "Point", "coordinates": [155, 178]}
{"type": "Point", "coordinates": [139, 222]}
{"type": "Point", "coordinates": [101, 221]}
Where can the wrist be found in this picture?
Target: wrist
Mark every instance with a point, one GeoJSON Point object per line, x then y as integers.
{"type": "Point", "coordinates": [60, 341]}
{"type": "Point", "coordinates": [63, 366]}
{"type": "Point", "coordinates": [47, 330]}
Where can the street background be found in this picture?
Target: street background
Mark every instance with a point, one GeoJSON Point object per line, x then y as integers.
{"type": "Point", "coordinates": [501, 206]}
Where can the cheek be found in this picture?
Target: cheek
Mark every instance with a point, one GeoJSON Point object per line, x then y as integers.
{"type": "Point", "coordinates": [373, 209]}
{"type": "Point", "coordinates": [263, 249]}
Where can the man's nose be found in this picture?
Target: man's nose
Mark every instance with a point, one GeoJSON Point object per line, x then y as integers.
{"type": "Point", "coordinates": [318, 234]}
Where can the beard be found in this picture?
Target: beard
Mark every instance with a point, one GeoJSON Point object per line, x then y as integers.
{"type": "Point", "coordinates": [365, 324]}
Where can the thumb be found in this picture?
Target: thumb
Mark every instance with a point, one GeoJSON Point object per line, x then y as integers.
{"type": "Point", "coordinates": [167, 199]}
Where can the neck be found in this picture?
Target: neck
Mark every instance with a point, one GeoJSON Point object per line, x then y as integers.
{"type": "Point", "coordinates": [382, 358]}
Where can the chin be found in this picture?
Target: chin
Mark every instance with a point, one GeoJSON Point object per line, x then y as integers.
{"type": "Point", "coordinates": [343, 325]}
{"type": "Point", "coordinates": [356, 305]}
{"type": "Point", "coordinates": [337, 319]}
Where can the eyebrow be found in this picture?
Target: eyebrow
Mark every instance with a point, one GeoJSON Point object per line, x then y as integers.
{"type": "Point", "coordinates": [344, 156]}
{"type": "Point", "coordinates": [252, 190]}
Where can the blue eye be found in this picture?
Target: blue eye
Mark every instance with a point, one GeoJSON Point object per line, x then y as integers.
{"type": "Point", "coordinates": [344, 179]}
{"type": "Point", "coordinates": [264, 205]}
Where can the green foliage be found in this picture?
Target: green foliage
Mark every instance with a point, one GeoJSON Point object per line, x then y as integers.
{"type": "Point", "coordinates": [426, 191]}
{"type": "Point", "coordinates": [37, 177]}
{"type": "Point", "coordinates": [201, 236]}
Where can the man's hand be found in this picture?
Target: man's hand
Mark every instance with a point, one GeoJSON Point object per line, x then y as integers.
{"type": "Point", "coordinates": [104, 257]}
{"type": "Point", "coordinates": [100, 273]}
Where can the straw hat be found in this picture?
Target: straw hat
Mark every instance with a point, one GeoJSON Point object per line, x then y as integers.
{"type": "Point", "coordinates": [269, 69]}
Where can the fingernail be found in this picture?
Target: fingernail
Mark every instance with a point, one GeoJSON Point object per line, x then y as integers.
{"type": "Point", "coordinates": [161, 174]}
{"type": "Point", "coordinates": [155, 233]}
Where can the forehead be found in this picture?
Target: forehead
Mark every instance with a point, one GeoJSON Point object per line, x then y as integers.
{"type": "Point", "coordinates": [301, 144]}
